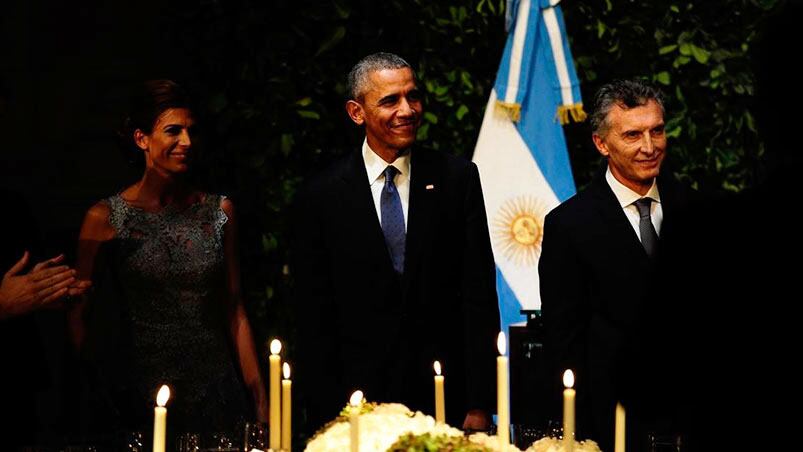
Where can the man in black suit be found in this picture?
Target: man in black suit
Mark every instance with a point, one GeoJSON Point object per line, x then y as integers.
{"type": "Point", "coordinates": [393, 265]}
{"type": "Point", "coordinates": [600, 249]}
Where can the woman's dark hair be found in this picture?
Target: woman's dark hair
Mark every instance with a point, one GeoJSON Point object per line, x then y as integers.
{"type": "Point", "coordinates": [147, 103]}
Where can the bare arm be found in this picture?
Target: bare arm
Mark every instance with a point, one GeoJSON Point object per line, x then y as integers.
{"type": "Point", "coordinates": [240, 329]}
{"type": "Point", "coordinates": [94, 231]}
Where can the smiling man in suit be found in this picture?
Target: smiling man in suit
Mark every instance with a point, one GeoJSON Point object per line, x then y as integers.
{"type": "Point", "coordinates": [393, 265]}
{"type": "Point", "coordinates": [600, 250]}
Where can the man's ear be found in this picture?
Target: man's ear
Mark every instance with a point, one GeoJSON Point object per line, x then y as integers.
{"type": "Point", "coordinates": [355, 111]}
{"type": "Point", "coordinates": [141, 140]}
{"type": "Point", "coordinates": [599, 143]}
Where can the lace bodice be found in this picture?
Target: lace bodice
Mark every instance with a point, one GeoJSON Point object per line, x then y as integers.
{"type": "Point", "coordinates": [186, 245]}
{"type": "Point", "coordinates": [168, 270]}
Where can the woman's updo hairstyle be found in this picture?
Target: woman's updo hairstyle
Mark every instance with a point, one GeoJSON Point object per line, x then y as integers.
{"type": "Point", "coordinates": [147, 103]}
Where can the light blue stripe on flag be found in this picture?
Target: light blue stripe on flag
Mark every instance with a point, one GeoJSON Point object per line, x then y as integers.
{"type": "Point", "coordinates": [509, 307]}
{"type": "Point", "coordinates": [521, 152]}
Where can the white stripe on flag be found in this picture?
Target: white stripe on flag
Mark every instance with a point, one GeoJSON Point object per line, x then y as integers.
{"type": "Point", "coordinates": [508, 173]}
{"type": "Point", "coordinates": [556, 41]}
{"type": "Point", "coordinates": [516, 51]}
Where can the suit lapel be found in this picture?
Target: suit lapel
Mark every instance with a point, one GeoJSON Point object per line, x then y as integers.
{"type": "Point", "coordinates": [425, 188]}
{"type": "Point", "coordinates": [672, 196]}
{"type": "Point", "coordinates": [359, 202]}
{"type": "Point", "coordinates": [613, 218]}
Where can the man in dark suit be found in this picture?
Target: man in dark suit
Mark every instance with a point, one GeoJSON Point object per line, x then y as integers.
{"type": "Point", "coordinates": [393, 265]}
{"type": "Point", "coordinates": [600, 249]}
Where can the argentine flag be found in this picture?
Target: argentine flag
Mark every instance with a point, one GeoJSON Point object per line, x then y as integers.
{"type": "Point", "coordinates": [521, 151]}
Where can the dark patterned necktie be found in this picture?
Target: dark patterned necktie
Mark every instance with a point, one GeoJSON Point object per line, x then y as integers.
{"type": "Point", "coordinates": [392, 219]}
{"type": "Point", "coordinates": [649, 238]}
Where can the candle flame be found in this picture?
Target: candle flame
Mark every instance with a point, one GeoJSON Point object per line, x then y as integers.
{"type": "Point", "coordinates": [356, 398]}
{"type": "Point", "coordinates": [286, 371]}
{"type": "Point", "coordinates": [501, 343]}
{"type": "Point", "coordinates": [437, 366]}
{"type": "Point", "coordinates": [163, 395]}
{"type": "Point", "coordinates": [275, 347]}
{"type": "Point", "coordinates": [568, 378]}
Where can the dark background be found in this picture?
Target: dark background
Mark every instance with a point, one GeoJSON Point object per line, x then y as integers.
{"type": "Point", "coordinates": [65, 68]}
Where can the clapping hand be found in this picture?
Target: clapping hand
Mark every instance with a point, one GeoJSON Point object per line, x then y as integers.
{"type": "Point", "coordinates": [46, 283]}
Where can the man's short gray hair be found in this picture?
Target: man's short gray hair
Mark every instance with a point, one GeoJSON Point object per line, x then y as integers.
{"type": "Point", "coordinates": [624, 93]}
{"type": "Point", "coordinates": [358, 76]}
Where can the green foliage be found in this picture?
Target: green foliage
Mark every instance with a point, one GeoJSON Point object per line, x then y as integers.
{"type": "Point", "coordinates": [699, 53]}
{"type": "Point", "coordinates": [435, 443]}
{"type": "Point", "coordinates": [271, 77]}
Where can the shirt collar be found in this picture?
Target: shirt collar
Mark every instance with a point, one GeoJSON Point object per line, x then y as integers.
{"type": "Point", "coordinates": [625, 195]}
{"type": "Point", "coordinates": [374, 165]}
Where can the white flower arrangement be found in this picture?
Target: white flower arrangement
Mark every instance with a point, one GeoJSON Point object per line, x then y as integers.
{"type": "Point", "coordinates": [383, 424]}
{"type": "Point", "coordinates": [550, 444]}
{"type": "Point", "coordinates": [379, 429]}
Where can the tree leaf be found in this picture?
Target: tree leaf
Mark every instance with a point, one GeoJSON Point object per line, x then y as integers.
{"type": "Point", "coordinates": [667, 49]}
{"type": "Point", "coordinates": [461, 111]}
{"type": "Point", "coordinates": [333, 40]}
{"type": "Point", "coordinates": [685, 49]}
{"type": "Point", "coordinates": [423, 132]}
{"type": "Point", "coordinates": [680, 61]}
{"type": "Point", "coordinates": [700, 54]}
{"type": "Point", "coordinates": [601, 29]}
{"type": "Point", "coordinates": [343, 11]}
{"type": "Point", "coordinates": [308, 114]}
{"type": "Point", "coordinates": [286, 143]}
{"type": "Point", "coordinates": [465, 77]}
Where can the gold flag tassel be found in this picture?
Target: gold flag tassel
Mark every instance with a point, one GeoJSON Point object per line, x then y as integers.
{"type": "Point", "coordinates": [510, 110]}
{"type": "Point", "coordinates": [575, 111]}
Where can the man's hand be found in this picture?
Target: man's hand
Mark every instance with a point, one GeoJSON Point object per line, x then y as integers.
{"type": "Point", "coordinates": [477, 420]}
{"type": "Point", "coordinates": [45, 283]}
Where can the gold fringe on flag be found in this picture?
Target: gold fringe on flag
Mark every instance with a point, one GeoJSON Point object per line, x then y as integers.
{"type": "Point", "coordinates": [510, 110]}
{"type": "Point", "coordinates": [575, 111]}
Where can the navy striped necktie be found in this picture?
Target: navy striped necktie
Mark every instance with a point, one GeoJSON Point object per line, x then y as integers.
{"type": "Point", "coordinates": [392, 219]}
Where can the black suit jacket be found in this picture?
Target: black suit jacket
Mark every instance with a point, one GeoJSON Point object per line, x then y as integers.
{"type": "Point", "coordinates": [362, 326]}
{"type": "Point", "coordinates": [595, 277]}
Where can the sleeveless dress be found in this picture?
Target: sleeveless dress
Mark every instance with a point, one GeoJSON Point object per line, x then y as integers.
{"type": "Point", "coordinates": [167, 274]}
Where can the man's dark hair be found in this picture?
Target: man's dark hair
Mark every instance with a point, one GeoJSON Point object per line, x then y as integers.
{"type": "Point", "coordinates": [358, 76]}
{"type": "Point", "coordinates": [624, 93]}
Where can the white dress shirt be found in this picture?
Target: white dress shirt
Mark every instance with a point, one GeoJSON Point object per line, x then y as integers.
{"type": "Point", "coordinates": [627, 197]}
{"type": "Point", "coordinates": [375, 166]}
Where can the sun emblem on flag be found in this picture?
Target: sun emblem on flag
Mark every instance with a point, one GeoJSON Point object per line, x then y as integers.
{"type": "Point", "coordinates": [519, 229]}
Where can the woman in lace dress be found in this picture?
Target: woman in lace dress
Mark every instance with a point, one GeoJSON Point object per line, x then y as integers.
{"type": "Point", "coordinates": [171, 310]}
